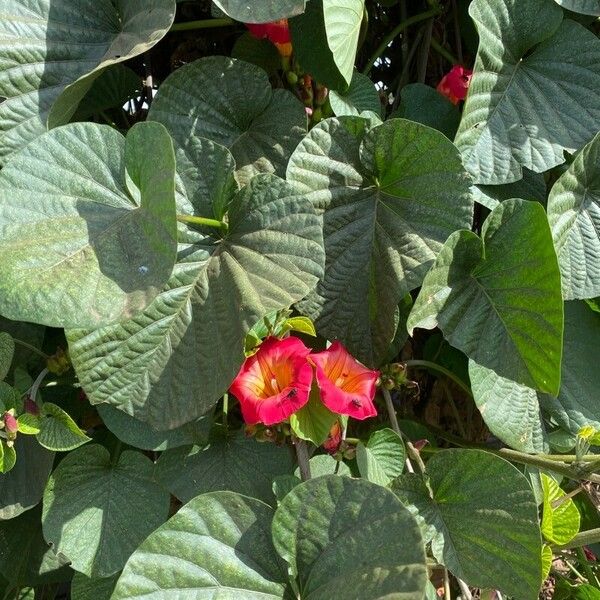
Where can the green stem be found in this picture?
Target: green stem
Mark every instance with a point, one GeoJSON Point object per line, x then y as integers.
{"type": "Point", "coordinates": [204, 221]}
{"type": "Point", "coordinates": [389, 38]}
{"type": "Point", "coordinates": [583, 538]}
{"type": "Point", "coordinates": [225, 409]}
{"type": "Point", "coordinates": [444, 52]}
{"type": "Point", "coordinates": [587, 569]}
{"type": "Point", "coordinates": [203, 24]}
{"type": "Point", "coordinates": [32, 348]}
{"type": "Point", "coordinates": [427, 364]}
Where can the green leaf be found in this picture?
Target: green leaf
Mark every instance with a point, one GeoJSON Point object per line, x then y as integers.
{"type": "Point", "coordinates": [311, 48]}
{"type": "Point", "coordinates": [29, 424]}
{"type": "Point", "coordinates": [25, 557]}
{"type": "Point", "coordinates": [8, 456]}
{"type": "Point", "coordinates": [381, 460]}
{"type": "Point", "coordinates": [84, 588]}
{"type": "Point", "coordinates": [424, 104]}
{"type": "Point", "coordinates": [58, 431]}
{"type": "Point", "coordinates": [511, 411]}
{"type": "Point", "coordinates": [531, 187]}
{"type": "Point", "coordinates": [343, 19]}
{"type": "Point", "coordinates": [314, 420]}
{"type": "Point", "coordinates": [260, 52]}
{"type": "Point", "coordinates": [236, 463]}
{"type": "Point", "coordinates": [361, 96]}
{"type": "Point", "coordinates": [23, 487]}
{"type": "Point", "coordinates": [283, 484]}
{"type": "Point", "coordinates": [390, 197]}
{"type": "Point", "coordinates": [264, 11]}
{"type": "Point", "coordinates": [271, 257]}
{"type": "Point", "coordinates": [324, 464]}
{"type": "Point", "coordinates": [521, 110]}
{"type": "Point", "coordinates": [80, 244]}
{"type": "Point", "coordinates": [52, 52]}
{"type": "Point", "coordinates": [546, 561]}
{"type": "Point", "coordinates": [216, 546]}
{"type": "Point", "coordinates": [301, 325]}
{"type": "Point", "coordinates": [97, 512]}
{"type": "Point", "coordinates": [112, 89]}
{"type": "Point", "coordinates": [560, 524]}
{"type": "Point", "coordinates": [140, 435]}
{"type": "Point", "coordinates": [7, 352]}
{"type": "Point", "coordinates": [574, 215]}
{"type": "Point", "coordinates": [577, 402]}
{"type": "Point", "coordinates": [232, 103]}
{"type": "Point", "coordinates": [482, 520]}
{"type": "Point", "coordinates": [508, 284]}
{"type": "Point", "coordinates": [586, 7]}
{"type": "Point", "coordinates": [349, 538]}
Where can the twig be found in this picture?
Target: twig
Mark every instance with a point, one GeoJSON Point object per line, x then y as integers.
{"type": "Point", "coordinates": [33, 390]}
{"type": "Point", "coordinates": [203, 24]}
{"type": "Point", "coordinates": [403, 76]}
{"type": "Point", "coordinates": [444, 52]}
{"type": "Point", "coordinates": [583, 538]}
{"type": "Point", "coordinates": [302, 457]}
{"type": "Point", "coordinates": [31, 348]}
{"type": "Point", "coordinates": [447, 592]}
{"type": "Point", "coordinates": [458, 41]}
{"type": "Point", "coordinates": [424, 55]}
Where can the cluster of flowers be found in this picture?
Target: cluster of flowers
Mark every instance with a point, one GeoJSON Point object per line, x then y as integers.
{"type": "Point", "coordinates": [276, 381]}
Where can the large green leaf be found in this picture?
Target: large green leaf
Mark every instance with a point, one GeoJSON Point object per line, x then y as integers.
{"type": "Point", "coordinates": [25, 557]}
{"type": "Point", "coordinates": [97, 511]}
{"type": "Point", "coordinates": [53, 51]}
{"type": "Point", "coordinates": [140, 435]}
{"type": "Point", "coordinates": [390, 197]}
{"type": "Point", "coordinates": [87, 224]}
{"type": "Point", "coordinates": [586, 7]}
{"type": "Point", "coordinates": [343, 19]}
{"type": "Point", "coordinates": [482, 520]}
{"type": "Point", "coordinates": [231, 102]}
{"type": "Point", "coordinates": [23, 486]}
{"type": "Point", "coordinates": [522, 110]}
{"type": "Point", "coordinates": [349, 538]}
{"type": "Point", "coordinates": [577, 403]}
{"type": "Point", "coordinates": [531, 187]}
{"type": "Point", "coordinates": [362, 95]}
{"type": "Point", "coordinates": [497, 298]}
{"type": "Point", "coordinates": [271, 257]}
{"type": "Point", "coordinates": [560, 517]}
{"type": "Point", "coordinates": [510, 410]}
{"type": "Point", "coordinates": [574, 215]}
{"type": "Point", "coordinates": [381, 460]}
{"type": "Point", "coordinates": [84, 588]}
{"type": "Point", "coordinates": [7, 352]}
{"type": "Point", "coordinates": [235, 463]}
{"type": "Point", "coordinates": [217, 546]}
{"type": "Point", "coordinates": [263, 11]}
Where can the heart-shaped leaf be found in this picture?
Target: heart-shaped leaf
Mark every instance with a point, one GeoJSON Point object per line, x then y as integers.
{"type": "Point", "coordinates": [53, 51]}
{"type": "Point", "coordinates": [510, 410]}
{"type": "Point", "coordinates": [574, 215]}
{"type": "Point", "coordinates": [586, 7]}
{"type": "Point", "coordinates": [97, 511]}
{"type": "Point", "coordinates": [508, 285]}
{"type": "Point", "coordinates": [560, 517]}
{"type": "Point", "coordinates": [521, 110]}
{"type": "Point", "coordinates": [271, 257]}
{"type": "Point", "coordinates": [230, 102]}
{"type": "Point", "coordinates": [58, 431]}
{"type": "Point", "coordinates": [216, 546]}
{"type": "Point", "coordinates": [531, 187]}
{"type": "Point", "coordinates": [235, 463]}
{"type": "Point", "coordinates": [381, 460]}
{"type": "Point", "coordinates": [313, 421]}
{"type": "Point", "coordinates": [87, 225]}
{"type": "Point", "coordinates": [264, 11]}
{"type": "Point", "coordinates": [362, 95]}
{"type": "Point", "coordinates": [390, 197]}
{"type": "Point", "coordinates": [482, 520]}
{"type": "Point", "coordinates": [23, 487]}
{"type": "Point", "coordinates": [349, 538]}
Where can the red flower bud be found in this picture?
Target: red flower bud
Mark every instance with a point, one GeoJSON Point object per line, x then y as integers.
{"type": "Point", "coordinates": [455, 84]}
{"type": "Point", "coordinates": [334, 439]}
{"type": "Point", "coordinates": [10, 423]}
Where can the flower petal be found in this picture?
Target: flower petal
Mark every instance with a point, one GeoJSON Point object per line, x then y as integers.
{"type": "Point", "coordinates": [274, 382]}
{"type": "Point", "coordinates": [347, 387]}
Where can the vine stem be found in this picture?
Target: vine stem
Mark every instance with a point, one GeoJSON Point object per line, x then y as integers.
{"type": "Point", "coordinates": [32, 348]}
{"type": "Point", "coordinates": [427, 364]}
{"type": "Point", "coordinates": [302, 457]}
{"type": "Point", "coordinates": [583, 538]}
{"type": "Point", "coordinates": [413, 453]}
{"type": "Point", "coordinates": [33, 390]}
{"type": "Point", "coordinates": [444, 52]}
{"type": "Point", "coordinates": [202, 24]}
{"type": "Point", "coordinates": [389, 38]}
{"type": "Point", "coordinates": [189, 219]}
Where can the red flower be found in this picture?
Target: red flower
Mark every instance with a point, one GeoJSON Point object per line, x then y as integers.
{"type": "Point", "coordinates": [275, 382]}
{"type": "Point", "coordinates": [277, 32]}
{"type": "Point", "coordinates": [332, 444]}
{"type": "Point", "coordinates": [347, 387]}
{"type": "Point", "coordinates": [455, 84]}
